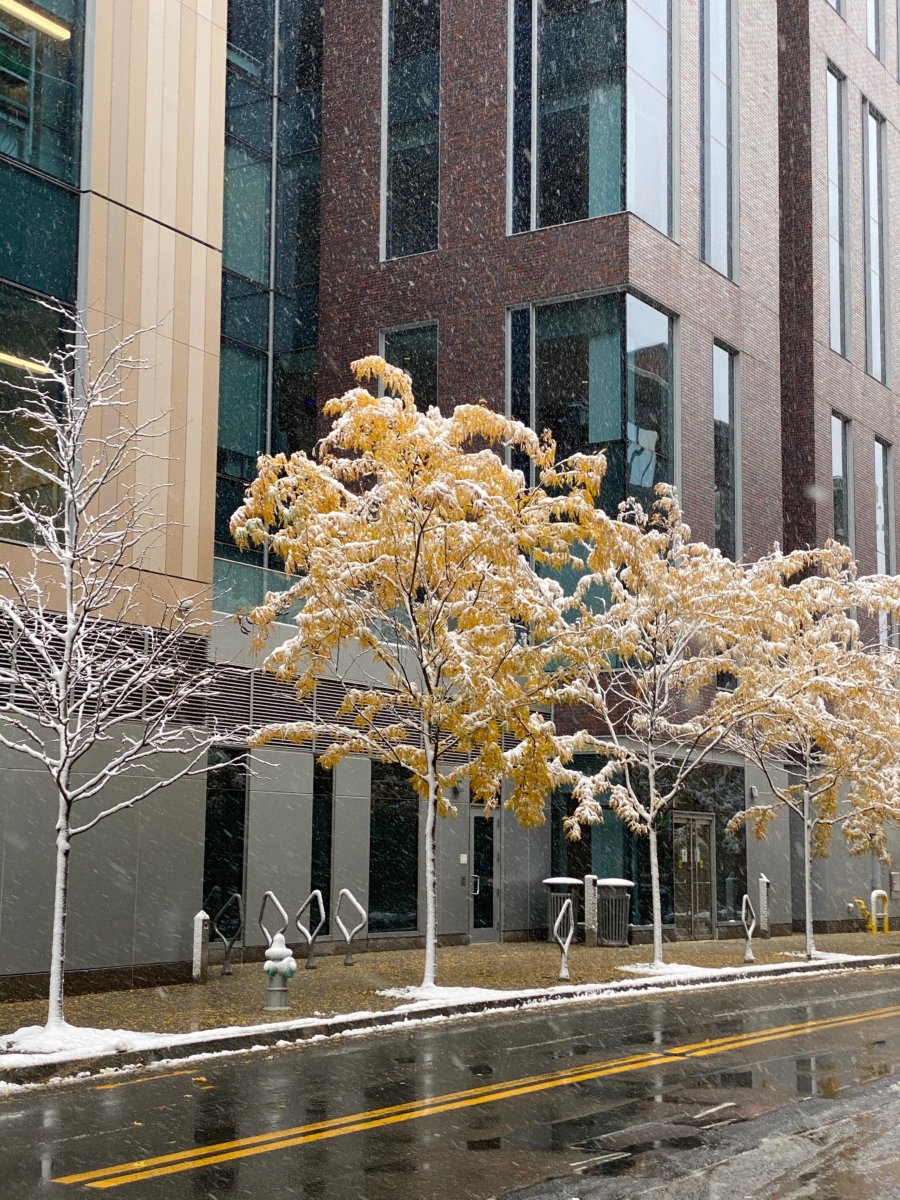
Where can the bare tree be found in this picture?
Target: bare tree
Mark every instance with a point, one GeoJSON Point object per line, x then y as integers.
{"type": "Point", "coordinates": [101, 678]}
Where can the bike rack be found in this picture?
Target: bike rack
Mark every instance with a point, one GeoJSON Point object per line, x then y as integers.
{"type": "Point", "coordinates": [564, 943]}
{"type": "Point", "coordinates": [316, 895]}
{"type": "Point", "coordinates": [749, 926]}
{"type": "Point", "coordinates": [228, 943]}
{"type": "Point", "coordinates": [349, 960]}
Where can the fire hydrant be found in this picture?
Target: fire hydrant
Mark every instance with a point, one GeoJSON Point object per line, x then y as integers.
{"type": "Point", "coordinates": [280, 966]}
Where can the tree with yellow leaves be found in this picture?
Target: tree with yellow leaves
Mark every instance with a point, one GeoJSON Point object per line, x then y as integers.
{"type": "Point", "coordinates": [414, 551]}
{"type": "Point", "coordinates": [820, 709]}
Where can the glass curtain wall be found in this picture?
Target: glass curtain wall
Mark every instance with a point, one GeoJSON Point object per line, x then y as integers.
{"type": "Point", "coordinates": [884, 538]}
{"type": "Point", "coordinates": [602, 378]}
{"type": "Point", "coordinates": [416, 351]}
{"type": "Point", "coordinates": [268, 374]}
{"type": "Point", "coordinates": [835, 96]}
{"type": "Point", "coordinates": [322, 833]}
{"type": "Point", "coordinates": [413, 127]}
{"type": "Point", "coordinates": [840, 479]}
{"type": "Point", "coordinates": [591, 120]}
{"type": "Point", "coordinates": [717, 136]}
{"type": "Point", "coordinates": [873, 201]}
{"type": "Point", "coordinates": [724, 425]}
{"type": "Point", "coordinates": [226, 812]}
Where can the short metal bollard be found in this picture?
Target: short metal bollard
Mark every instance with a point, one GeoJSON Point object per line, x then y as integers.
{"type": "Point", "coordinates": [200, 964]}
{"type": "Point", "coordinates": [749, 926]}
{"type": "Point", "coordinates": [316, 895]}
{"type": "Point", "coordinates": [280, 964]}
{"type": "Point", "coordinates": [882, 916]}
{"type": "Point", "coordinates": [764, 889]}
{"type": "Point", "coordinates": [349, 960]}
{"type": "Point", "coordinates": [227, 942]}
{"type": "Point", "coordinates": [565, 913]}
{"type": "Point", "coordinates": [590, 910]}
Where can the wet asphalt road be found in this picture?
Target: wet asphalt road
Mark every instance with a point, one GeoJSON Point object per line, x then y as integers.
{"type": "Point", "coordinates": [780, 1090]}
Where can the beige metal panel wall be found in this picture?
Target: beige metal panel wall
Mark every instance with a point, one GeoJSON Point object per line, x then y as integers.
{"type": "Point", "coordinates": [154, 149]}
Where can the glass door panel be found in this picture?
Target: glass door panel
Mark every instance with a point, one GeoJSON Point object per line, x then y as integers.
{"type": "Point", "coordinates": [482, 901]}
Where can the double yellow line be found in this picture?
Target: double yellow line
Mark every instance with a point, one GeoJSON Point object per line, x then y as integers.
{"type": "Point", "coordinates": [285, 1139]}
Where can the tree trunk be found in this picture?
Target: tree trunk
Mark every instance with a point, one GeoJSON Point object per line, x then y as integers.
{"type": "Point", "coordinates": [430, 875]}
{"type": "Point", "coordinates": [807, 875]}
{"type": "Point", "coordinates": [657, 906]}
{"type": "Point", "coordinates": [60, 903]}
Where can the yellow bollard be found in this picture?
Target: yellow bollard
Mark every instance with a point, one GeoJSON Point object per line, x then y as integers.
{"type": "Point", "coordinates": [877, 895]}
{"type": "Point", "coordinates": [870, 924]}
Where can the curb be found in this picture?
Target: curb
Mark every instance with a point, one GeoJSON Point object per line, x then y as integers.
{"type": "Point", "coordinates": [263, 1038]}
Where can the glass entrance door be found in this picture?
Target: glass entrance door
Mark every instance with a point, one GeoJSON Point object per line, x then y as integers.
{"type": "Point", "coordinates": [483, 923]}
{"type": "Point", "coordinates": [693, 850]}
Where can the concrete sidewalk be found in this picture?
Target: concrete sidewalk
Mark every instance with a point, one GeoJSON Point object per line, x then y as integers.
{"type": "Point", "coordinates": [334, 989]}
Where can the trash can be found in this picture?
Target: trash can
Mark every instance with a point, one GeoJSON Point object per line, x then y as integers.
{"type": "Point", "coordinates": [613, 911]}
{"type": "Point", "coordinates": [560, 889]}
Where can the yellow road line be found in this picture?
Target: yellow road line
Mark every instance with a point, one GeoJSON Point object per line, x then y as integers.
{"type": "Point", "coordinates": [105, 1087]}
{"type": "Point", "coordinates": [186, 1160]}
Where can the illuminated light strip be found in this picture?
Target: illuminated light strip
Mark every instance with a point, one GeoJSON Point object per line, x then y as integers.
{"type": "Point", "coordinates": [10, 360]}
{"type": "Point", "coordinates": [188, 1160]}
{"type": "Point", "coordinates": [37, 20]}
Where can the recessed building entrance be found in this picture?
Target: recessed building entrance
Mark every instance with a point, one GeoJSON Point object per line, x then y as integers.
{"type": "Point", "coordinates": [694, 848]}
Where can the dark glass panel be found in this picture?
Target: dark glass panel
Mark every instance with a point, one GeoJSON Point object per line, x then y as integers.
{"type": "Point", "coordinates": [393, 851]}
{"type": "Point", "coordinates": [38, 232]}
{"type": "Point", "coordinates": [521, 181]}
{"type": "Point", "coordinates": [229, 497]}
{"type": "Point", "coordinates": [245, 311]}
{"type": "Point", "coordinates": [248, 112]}
{"type": "Point", "coordinates": [648, 412]}
{"type": "Point", "coordinates": [295, 408]}
{"type": "Point", "coordinates": [415, 29]}
{"type": "Point", "coordinates": [723, 434]}
{"type": "Point", "coordinates": [299, 123]}
{"type": "Point", "coordinates": [520, 382]}
{"type": "Point", "coordinates": [483, 868]}
{"type": "Point", "coordinates": [251, 40]}
{"type": "Point", "coordinates": [413, 194]}
{"type": "Point", "coordinates": [416, 351]}
{"type": "Point", "coordinates": [640, 872]}
{"type": "Point", "coordinates": [242, 410]}
{"type": "Point", "coordinates": [564, 175]}
{"type": "Point", "coordinates": [40, 88]}
{"type": "Point", "coordinates": [322, 827]}
{"type": "Point", "coordinates": [297, 224]}
{"type": "Point", "coordinates": [718, 789]}
{"type": "Point", "coordinates": [300, 54]}
{"type": "Point", "coordinates": [245, 217]}
{"type": "Point", "coordinates": [28, 333]}
{"type": "Point", "coordinates": [223, 855]}
{"type": "Point", "coordinates": [296, 318]}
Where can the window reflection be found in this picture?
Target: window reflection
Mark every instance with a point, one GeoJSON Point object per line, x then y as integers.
{"type": "Point", "coordinates": [416, 351]}
{"type": "Point", "coordinates": [717, 135]}
{"type": "Point", "coordinates": [724, 439]}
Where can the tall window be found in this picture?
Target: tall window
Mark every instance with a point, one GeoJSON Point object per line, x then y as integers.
{"type": "Point", "coordinates": [268, 372]}
{"type": "Point", "coordinates": [837, 5]}
{"type": "Point", "coordinates": [884, 541]}
{"type": "Point", "coordinates": [393, 851]}
{"type": "Point", "coordinates": [322, 831]}
{"type": "Point", "coordinates": [841, 480]}
{"type": "Point", "coordinates": [223, 855]}
{"type": "Point", "coordinates": [724, 419]}
{"type": "Point", "coordinates": [717, 136]}
{"type": "Point", "coordinates": [415, 349]}
{"type": "Point", "coordinates": [836, 93]}
{"type": "Point", "coordinates": [874, 199]}
{"type": "Point", "coordinates": [875, 27]}
{"type": "Point", "coordinates": [589, 80]}
{"type": "Point", "coordinates": [413, 127]}
{"type": "Point", "coordinates": [602, 378]}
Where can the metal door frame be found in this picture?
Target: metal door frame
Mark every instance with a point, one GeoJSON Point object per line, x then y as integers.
{"type": "Point", "coordinates": [694, 819]}
{"type": "Point", "coordinates": [477, 813]}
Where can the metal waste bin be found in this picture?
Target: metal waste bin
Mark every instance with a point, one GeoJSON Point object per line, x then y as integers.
{"type": "Point", "coordinates": [560, 889]}
{"type": "Point", "coordinates": [613, 911]}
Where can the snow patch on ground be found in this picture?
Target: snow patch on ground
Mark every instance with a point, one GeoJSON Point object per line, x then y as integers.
{"type": "Point", "coordinates": [674, 970]}
{"type": "Point", "coordinates": [443, 995]}
{"type": "Point", "coordinates": [75, 1041]}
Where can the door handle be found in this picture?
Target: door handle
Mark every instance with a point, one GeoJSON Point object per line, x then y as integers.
{"type": "Point", "coordinates": [476, 883]}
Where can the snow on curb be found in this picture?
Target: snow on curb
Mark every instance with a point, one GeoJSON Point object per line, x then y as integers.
{"type": "Point", "coordinates": [102, 1051]}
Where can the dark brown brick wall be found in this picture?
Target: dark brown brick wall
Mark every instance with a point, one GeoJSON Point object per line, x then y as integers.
{"type": "Point", "coordinates": [467, 285]}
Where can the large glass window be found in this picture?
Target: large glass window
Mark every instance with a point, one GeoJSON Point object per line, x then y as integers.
{"type": "Point", "coordinates": [840, 480]}
{"type": "Point", "coordinates": [29, 334]}
{"type": "Point", "coordinates": [724, 424]}
{"type": "Point", "coordinates": [836, 93]}
{"type": "Point", "coordinates": [717, 136]}
{"type": "Point", "coordinates": [416, 351]}
{"type": "Point", "coordinates": [38, 232]}
{"type": "Point", "coordinates": [223, 855]}
{"type": "Point", "coordinates": [268, 375]}
{"type": "Point", "coordinates": [602, 379]}
{"type": "Point", "coordinates": [393, 851]}
{"type": "Point", "coordinates": [591, 111]}
{"type": "Point", "coordinates": [413, 127]}
{"type": "Point", "coordinates": [40, 85]}
{"type": "Point", "coordinates": [884, 525]}
{"type": "Point", "coordinates": [875, 27]}
{"type": "Point", "coordinates": [874, 203]}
